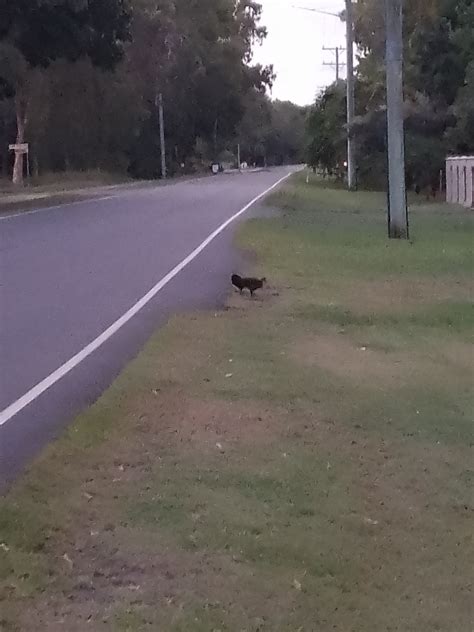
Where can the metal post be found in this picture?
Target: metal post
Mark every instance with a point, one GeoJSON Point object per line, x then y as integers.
{"type": "Point", "coordinates": [238, 156]}
{"type": "Point", "coordinates": [162, 136]}
{"type": "Point", "coordinates": [337, 64]}
{"type": "Point", "coordinates": [351, 163]}
{"type": "Point", "coordinates": [398, 216]}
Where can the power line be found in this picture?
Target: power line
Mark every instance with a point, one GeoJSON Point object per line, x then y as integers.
{"type": "Point", "coordinates": [313, 10]}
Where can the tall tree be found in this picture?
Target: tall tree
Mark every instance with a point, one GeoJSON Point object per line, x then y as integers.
{"type": "Point", "coordinates": [33, 33]}
{"type": "Point", "coordinates": [198, 54]}
{"type": "Point", "coordinates": [439, 47]}
{"type": "Point", "coordinates": [80, 109]}
{"type": "Point", "coordinates": [326, 130]}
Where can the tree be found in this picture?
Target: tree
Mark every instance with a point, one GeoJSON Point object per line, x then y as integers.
{"type": "Point", "coordinates": [33, 33]}
{"type": "Point", "coordinates": [326, 129]}
{"type": "Point", "coordinates": [439, 46]}
{"type": "Point", "coordinates": [286, 141]}
{"type": "Point", "coordinates": [271, 132]}
{"type": "Point", "coordinates": [460, 135]}
{"type": "Point", "coordinates": [82, 106]}
{"type": "Point", "coordinates": [198, 55]}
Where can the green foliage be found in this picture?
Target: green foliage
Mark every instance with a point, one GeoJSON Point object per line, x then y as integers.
{"type": "Point", "coordinates": [439, 79]}
{"type": "Point", "coordinates": [460, 136]}
{"type": "Point", "coordinates": [326, 127]}
{"type": "Point", "coordinates": [271, 133]}
{"type": "Point", "coordinates": [86, 78]}
{"type": "Point", "coordinates": [43, 31]}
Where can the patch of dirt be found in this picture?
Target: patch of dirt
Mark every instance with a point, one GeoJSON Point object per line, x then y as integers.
{"type": "Point", "coordinates": [338, 354]}
{"type": "Point", "coordinates": [107, 581]}
{"type": "Point", "coordinates": [403, 294]}
{"type": "Point", "coordinates": [102, 562]}
{"type": "Point", "coordinates": [191, 423]}
{"type": "Point", "coordinates": [459, 355]}
{"type": "Point", "coordinates": [108, 566]}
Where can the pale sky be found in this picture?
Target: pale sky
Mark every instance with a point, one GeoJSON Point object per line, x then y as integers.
{"type": "Point", "coordinates": [294, 46]}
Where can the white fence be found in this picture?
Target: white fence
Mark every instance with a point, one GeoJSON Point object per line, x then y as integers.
{"type": "Point", "coordinates": [460, 180]}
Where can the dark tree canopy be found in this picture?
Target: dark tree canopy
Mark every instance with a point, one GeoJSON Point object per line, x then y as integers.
{"type": "Point", "coordinates": [86, 75]}
{"type": "Point", "coordinates": [46, 30]}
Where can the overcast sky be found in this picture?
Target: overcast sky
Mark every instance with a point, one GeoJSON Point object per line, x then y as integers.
{"type": "Point", "coordinates": [294, 46]}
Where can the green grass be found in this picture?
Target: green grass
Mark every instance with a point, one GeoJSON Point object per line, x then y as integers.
{"type": "Point", "coordinates": [297, 462]}
{"type": "Point", "coordinates": [335, 233]}
{"type": "Point", "coordinates": [63, 181]}
{"type": "Point", "coordinates": [450, 316]}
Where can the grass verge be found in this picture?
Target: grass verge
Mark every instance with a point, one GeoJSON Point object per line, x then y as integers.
{"type": "Point", "coordinates": [57, 188]}
{"type": "Point", "coordinates": [297, 462]}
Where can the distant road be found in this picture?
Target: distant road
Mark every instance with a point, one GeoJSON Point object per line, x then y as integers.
{"type": "Point", "coordinates": [82, 287]}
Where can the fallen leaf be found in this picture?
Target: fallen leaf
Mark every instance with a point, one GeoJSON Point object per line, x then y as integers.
{"type": "Point", "coordinates": [67, 559]}
{"type": "Point", "coordinates": [297, 585]}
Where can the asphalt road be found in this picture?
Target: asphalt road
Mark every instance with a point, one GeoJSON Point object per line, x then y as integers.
{"type": "Point", "coordinates": [68, 273]}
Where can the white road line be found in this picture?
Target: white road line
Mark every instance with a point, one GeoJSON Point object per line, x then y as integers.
{"type": "Point", "coordinates": [68, 366]}
{"type": "Point", "coordinates": [54, 208]}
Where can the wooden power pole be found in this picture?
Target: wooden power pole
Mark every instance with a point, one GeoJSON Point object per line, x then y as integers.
{"type": "Point", "coordinates": [397, 202]}
{"type": "Point", "coordinates": [351, 158]}
{"type": "Point", "coordinates": [162, 136]}
{"type": "Point", "coordinates": [337, 64]}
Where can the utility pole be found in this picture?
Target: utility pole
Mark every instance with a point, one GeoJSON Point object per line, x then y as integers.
{"type": "Point", "coordinates": [351, 160]}
{"type": "Point", "coordinates": [162, 136]}
{"type": "Point", "coordinates": [338, 64]}
{"type": "Point", "coordinates": [397, 203]}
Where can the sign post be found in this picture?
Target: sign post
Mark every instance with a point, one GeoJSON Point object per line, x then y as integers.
{"type": "Point", "coordinates": [22, 148]}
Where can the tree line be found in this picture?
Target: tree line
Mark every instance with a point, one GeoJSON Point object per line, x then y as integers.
{"type": "Point", "coordinates": [439, 94]}
{"type": "Point", "coordinates": [80, 79]}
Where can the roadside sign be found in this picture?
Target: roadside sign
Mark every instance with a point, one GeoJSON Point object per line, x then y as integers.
{"type": "Point", "coordinates": [21, 148]}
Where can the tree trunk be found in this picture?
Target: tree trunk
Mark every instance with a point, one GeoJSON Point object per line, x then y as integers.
{"type": "Point", "coordinates": [20, 107]}
{"type": "Point", "coordinates": [35, 166]}
{"type": "Point", "coordinates": [216, 125]}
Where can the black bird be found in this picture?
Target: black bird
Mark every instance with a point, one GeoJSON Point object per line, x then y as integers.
{"type": "Point", "coordinates": [250, 283]}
